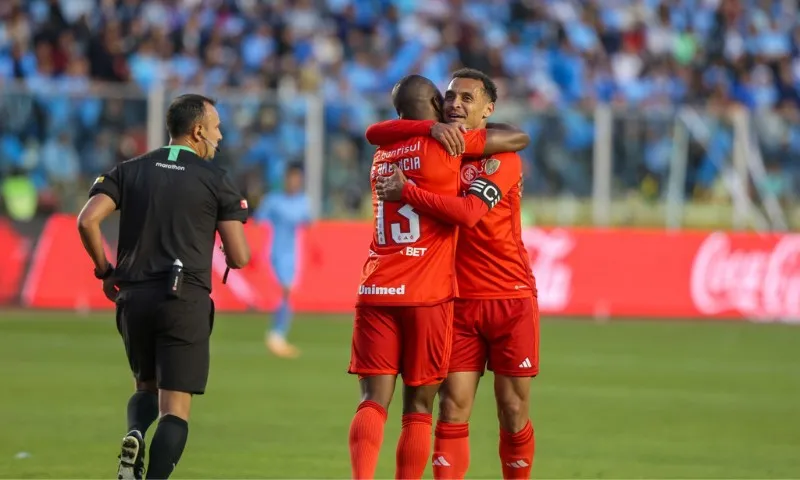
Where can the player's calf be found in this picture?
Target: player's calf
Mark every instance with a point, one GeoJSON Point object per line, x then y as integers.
{"type": "Point", "coordinates": [414, 445]}
{"type": "Point", "coordinates": [451, 444]}
{"type": "Point", "coordinates": [366, 429]}
{"type": "Point", "coordinates": [276, 339]}
{"type": "Point", "coordinates": [516, 431]}
{"type": "Point", "coordinates": [512, 397]}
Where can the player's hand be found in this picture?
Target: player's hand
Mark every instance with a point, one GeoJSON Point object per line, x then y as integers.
{"type": "Point", "coordinates": [110, 288]}
{"type": "Point", "coordinates": [451, 136]}
{"type": "Point", "coordinates": [390, 189]}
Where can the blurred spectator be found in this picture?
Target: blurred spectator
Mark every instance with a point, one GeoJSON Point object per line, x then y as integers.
{"type": "Point", "coordinates": [18, 194]}
{"type": "Point", "coordinates": [556, 56]}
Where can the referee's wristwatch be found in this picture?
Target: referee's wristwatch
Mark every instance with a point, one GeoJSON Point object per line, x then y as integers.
{"type": "Point", "coordinates": [104, 275]}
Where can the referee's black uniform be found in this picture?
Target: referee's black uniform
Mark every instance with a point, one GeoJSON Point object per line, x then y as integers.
{"type": "Point", "coordinates": [170, 201]}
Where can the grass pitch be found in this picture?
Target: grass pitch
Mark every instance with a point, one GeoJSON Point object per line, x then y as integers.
{"type": "Point", "coordinates": [617, 400]}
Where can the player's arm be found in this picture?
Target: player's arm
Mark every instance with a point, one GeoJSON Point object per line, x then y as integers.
{"type": "Point", "coordinates": [232, 212]}
{"type": "Point", "coordinates": [104, 198]}
{"type": "Point", "coordinates": [462, 211]}
{"type": "Point", "coordinates": [450, 135]}
{"type": "Point", "coordinates": [501, 126]}
{"type": "Point", "coordinates": [501, 173]}
{"type": "Point", "coordinates": [398, 130]}
{"type": "Point", "coordinates": [495, 140]}
{"type": "Point", "coordinates": [500, 138]}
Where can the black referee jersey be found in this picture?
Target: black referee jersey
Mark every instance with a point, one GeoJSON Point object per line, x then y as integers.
{"type": "Point", "coordinates": [170, 201]}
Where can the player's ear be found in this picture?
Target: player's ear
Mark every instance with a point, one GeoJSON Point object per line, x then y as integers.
{"type": "Point", "coordinates": [489, 110]}
{"type": "Point", "coordinates": [437, 105]}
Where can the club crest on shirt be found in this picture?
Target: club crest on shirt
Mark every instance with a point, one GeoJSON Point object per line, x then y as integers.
{"type": "Point", "coordinates": [469, 173]}
{"type": "Point", "coordinates": [491, 166]}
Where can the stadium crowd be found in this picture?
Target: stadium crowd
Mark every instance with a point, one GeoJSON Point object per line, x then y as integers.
{"type": "Point", "coordinates": [554, 60]}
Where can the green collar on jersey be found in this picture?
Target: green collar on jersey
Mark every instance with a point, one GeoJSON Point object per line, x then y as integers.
{"type": "Point", "coordinates": [174, 150]}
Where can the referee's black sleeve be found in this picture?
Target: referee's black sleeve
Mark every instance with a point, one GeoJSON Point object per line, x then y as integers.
{"type": "Point", "coordinates": [231, 204]}
{"type": "Point", "coordinates": [109, 184]}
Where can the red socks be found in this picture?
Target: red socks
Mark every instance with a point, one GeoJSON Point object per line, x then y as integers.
{"type": "Point", "coordinates": [451, 450]}
{"type": "Point", "coordinates": [516, 452]}
{"type": "Point", "coordinates": [414, 446]}
{"type": "Point", "coordinates": [366, 437]}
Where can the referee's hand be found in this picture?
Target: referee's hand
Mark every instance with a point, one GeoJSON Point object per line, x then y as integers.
{"type": "Point", "coordinates": [110, 288]}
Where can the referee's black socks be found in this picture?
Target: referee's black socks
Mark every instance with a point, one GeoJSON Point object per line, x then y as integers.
{"type": "Point", "coordinates": [167, 446]}
{"type": "Point", "coordinates": [142, 411]}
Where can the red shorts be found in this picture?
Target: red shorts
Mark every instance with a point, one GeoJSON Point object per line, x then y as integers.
{"type": "Point", "coordinates": [503, 334]}
{"type": "Point", "coordinates": [414, 342]}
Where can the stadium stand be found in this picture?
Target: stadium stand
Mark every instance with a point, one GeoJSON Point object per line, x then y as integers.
{"type": "Point", "coordinates": [555, 60]}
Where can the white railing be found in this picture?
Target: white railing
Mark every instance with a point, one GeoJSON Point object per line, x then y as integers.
{"type": "Point", "coordinates": [742, 166]}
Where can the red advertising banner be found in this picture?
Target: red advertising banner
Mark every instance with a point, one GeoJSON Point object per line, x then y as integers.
{"type": "Point", "coordinates": [578, 272]}
{"type": "Point", "coordinates": [661, 274]}
{"type": "Point", "coordinates": [16, 249]}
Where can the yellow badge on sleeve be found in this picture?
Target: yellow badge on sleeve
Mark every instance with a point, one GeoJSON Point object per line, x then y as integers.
{"type": "Point", "coordinates": [100, 179]}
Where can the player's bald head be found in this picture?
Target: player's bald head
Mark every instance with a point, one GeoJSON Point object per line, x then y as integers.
{"type": "Point", "coordinates": [417, 98]}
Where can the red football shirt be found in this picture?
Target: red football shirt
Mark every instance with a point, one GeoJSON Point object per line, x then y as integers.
{"type": "Point", "coordinates": [412, 256]}
{"type": "Point", "coordinates": [492, 262]}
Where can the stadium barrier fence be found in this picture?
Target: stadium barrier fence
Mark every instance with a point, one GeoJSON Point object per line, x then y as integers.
{"type": "Point", "coordinates": [579, 272]}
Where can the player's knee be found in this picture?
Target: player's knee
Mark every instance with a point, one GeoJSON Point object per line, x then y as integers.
{"type": "Point", "coordinates": [419, 399]}
{"type": "Point", "coordinates": [453, 409]}
{"type": "Point", "coordinates": [380, 399]}
{"type": "Point", "coordinates": [512, 412]}
{"type": "Point", "coordinates": [378, 389]}
{"type": "Point", "coordinates": [146, 386]}
{"type": "Point", "coordinates": [174, 403]}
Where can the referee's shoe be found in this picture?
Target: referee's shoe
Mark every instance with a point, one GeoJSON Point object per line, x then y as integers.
{"type": "Point", "coordinates": [131, 457]}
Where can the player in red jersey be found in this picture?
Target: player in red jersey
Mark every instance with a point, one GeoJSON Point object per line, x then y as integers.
{"type": "Point", "coordinates": [496, 313]}
{"type": "Point", "coordinates": [404, 314]}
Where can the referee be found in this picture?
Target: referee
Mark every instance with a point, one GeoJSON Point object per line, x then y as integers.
{"type": "Point", "coordinates": [172, 201]}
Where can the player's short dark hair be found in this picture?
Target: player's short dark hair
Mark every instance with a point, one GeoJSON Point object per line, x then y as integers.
{"type": "Point", "coordinates": [184, 112]}
{"type": "Point", "coordinates": [489, 87]}
{"type": "Point", "coordinates": [295, 167]}
{"type": "Point", "coordinates": [412, 94]}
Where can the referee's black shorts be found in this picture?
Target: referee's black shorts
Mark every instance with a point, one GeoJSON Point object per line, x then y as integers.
{"type": "Point", "coordinates": [167, 339]}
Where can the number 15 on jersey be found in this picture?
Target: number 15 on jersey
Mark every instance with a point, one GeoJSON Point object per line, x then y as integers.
{"type": "Point", "coordinates": [402, 221]}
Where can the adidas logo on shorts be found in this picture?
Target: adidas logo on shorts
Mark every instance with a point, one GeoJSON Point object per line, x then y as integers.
{"type": "Point", "coordinates": [526, 363]}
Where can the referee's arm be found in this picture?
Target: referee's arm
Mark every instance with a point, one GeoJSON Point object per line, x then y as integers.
{"type": "Point", "coordinates": [237, 251]}
{"type": "Point", "coordinates": [232, 211]}
{"type": "Point", "coordinates": [103, 200]}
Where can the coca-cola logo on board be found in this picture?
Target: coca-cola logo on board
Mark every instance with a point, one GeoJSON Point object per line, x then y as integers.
{"type": "Point", "coordinates": [760, 283]}
{"type": "Point", "coordinates": [547, 252]}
